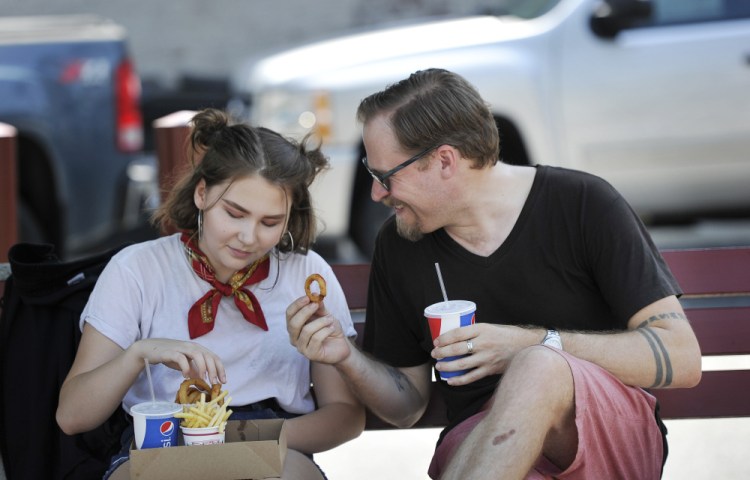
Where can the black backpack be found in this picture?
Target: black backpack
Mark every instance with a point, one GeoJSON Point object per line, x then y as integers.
{"type": "Point", "coordinates": [39, 335]}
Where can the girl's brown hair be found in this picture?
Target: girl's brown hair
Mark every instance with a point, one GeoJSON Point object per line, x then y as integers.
{"type": "Point", "coordinates": [222, 150]}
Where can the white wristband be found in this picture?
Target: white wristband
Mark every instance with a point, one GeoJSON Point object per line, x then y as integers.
{"type": "Point", "coordinates": [553, 339]}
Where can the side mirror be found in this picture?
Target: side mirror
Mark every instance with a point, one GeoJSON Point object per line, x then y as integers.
{"type": "Point", "coordinates": [612, 16]}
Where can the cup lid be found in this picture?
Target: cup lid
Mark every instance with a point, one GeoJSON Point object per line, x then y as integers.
{"type": "Point", "coordinates": [155, 409]}
{"type": "Point", "coordinates": [450, 307]}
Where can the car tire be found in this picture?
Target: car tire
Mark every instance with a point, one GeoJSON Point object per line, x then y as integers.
{"type": "Point", "coordinates": [29, 227]}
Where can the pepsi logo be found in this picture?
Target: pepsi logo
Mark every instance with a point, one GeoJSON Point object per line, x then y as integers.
{"type": "Point", "coordinates": [167, 428]}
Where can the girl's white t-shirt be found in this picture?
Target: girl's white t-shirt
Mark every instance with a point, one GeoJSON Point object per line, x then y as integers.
{"type": "Point", "coordinates": [147, 289]}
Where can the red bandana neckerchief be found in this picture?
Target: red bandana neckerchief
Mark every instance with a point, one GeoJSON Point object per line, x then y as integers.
{"type": "Point", "coordinates": [202, 314]}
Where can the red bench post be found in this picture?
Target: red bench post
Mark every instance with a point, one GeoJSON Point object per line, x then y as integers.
{"type": "Point", "coordinates": [8, 190]}
{"type": "Point", "coordinates": [171, 137]}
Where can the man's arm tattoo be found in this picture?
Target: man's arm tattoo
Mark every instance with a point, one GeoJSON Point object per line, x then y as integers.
{"type": "Point", "coordinates": [398, 378]}
{"type": "Point", "coordinates": [661, 356]}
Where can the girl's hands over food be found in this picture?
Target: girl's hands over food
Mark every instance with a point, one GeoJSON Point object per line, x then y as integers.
{"type": "Point", "coordinates": [190, 358]}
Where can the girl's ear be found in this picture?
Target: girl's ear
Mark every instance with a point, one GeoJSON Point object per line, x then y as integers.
{"type": "Point", "coordinates": [199, 196]}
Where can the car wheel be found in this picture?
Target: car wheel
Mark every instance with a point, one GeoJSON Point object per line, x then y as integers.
{"type": "Point", "coordinates": [29, 227]}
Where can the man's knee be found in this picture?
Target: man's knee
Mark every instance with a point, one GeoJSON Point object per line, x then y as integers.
{"type": "Point", "coordinates": [541, 360]}
{"type": "Point", "coordinates": [544, 370]}
{"type": "Point", "coordinates": [545, 379]}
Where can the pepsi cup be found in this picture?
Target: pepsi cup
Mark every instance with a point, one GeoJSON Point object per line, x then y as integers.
{"type": "Point", "coordinates": [445, 316]}
{"type": "Point", "coordinates": [155, 425]}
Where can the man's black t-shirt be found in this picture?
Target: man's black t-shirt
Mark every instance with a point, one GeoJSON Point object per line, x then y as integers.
{"type": "Point", "coordinates": [578, 258]}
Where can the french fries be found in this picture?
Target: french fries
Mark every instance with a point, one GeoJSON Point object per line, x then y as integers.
{"type": "Point", "coordinates": [203, 414]}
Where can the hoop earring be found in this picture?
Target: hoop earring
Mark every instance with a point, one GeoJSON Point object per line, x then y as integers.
{"type": "Point", "coordinates": [200, 224]}
{"type": "Point", "coordinates": [291, 240]}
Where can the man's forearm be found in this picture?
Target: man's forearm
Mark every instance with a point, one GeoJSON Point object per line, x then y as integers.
{"type": "Point", "coordinates": [397, 395]}
{"type": "Point", "coordinates": [660, 353]}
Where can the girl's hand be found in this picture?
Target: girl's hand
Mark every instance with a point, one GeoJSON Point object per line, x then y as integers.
{"type": "Point", "coordinates": [190, 358]}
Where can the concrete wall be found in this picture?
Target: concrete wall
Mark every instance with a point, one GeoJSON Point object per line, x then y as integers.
{"type": "Point", "coordinates": [208, 38]}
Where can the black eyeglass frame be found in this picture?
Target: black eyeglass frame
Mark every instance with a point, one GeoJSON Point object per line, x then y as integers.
{"type": "Point", "coordinates": [382, 178]}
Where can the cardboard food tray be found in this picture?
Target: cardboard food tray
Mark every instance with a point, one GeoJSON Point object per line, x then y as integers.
{"type": "Point", "coordinates": [254, 449]}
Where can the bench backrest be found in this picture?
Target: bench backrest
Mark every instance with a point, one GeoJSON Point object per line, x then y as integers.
{"type": "Point", "coordinates": [716, 283]}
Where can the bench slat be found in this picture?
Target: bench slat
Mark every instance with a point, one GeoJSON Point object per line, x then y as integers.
{"type": "Point", "coordinates": [353, 279]}
{"type": "Point", "coordinates": [711, 270]}
{"type": "Point", "coordinates": [722, 331]}
{"type": "Point", "coordinates": [708, 399]}
{"type": "Point", "coordinates": [719, 394]}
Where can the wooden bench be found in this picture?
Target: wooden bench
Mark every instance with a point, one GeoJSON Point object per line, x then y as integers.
{"type": "Point", "coordinates": [716, 282]}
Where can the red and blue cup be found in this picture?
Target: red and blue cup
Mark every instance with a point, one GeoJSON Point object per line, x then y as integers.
{"type": "Point", "coordinates": [445, 316]}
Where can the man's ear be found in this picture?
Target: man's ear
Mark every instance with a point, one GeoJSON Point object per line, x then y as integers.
{"type": "Point", "coordinates": [449, 157]}
{"type": "Point", "coordinates": [199, 195]}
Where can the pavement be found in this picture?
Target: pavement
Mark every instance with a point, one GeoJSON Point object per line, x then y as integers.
{"type": "Point", "coordinates": [699, 449]}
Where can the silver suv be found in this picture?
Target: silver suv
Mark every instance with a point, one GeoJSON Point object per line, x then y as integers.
{"type": "Point", "coordinates": [651, 95]}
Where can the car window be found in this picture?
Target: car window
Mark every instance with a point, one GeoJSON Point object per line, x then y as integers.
{"type": "Point", "coordinates": [528, 9]}
{"type": "Point", "coordinates": [669, 12]}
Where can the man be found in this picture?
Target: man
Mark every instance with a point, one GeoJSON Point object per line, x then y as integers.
{"type": "Point", "coordinates": [545, 253]}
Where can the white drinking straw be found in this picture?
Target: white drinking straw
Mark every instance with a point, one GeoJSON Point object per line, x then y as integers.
{"type": "Point", "coordinates": [440, 279]}
{"type": "Point", "coordinates": [150, 383]}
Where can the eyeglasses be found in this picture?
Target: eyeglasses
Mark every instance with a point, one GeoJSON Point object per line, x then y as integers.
{"type": "Point", "coordinates": [382, 178]}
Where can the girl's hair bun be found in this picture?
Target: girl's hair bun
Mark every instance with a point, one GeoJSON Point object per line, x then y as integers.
{"type": "Point", "coordinates": [208, 126]}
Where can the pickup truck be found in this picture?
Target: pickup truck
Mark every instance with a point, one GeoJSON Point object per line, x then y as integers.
{"type": "Point", "coordinates": [651, 95]}
{"type": "Point", "coordinates": [69, 87]}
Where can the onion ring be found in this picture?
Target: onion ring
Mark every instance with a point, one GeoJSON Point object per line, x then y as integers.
{"type": "Point", "coordinates": [215, 392]}
{"type": "Point", "coordinates": [321, 284]}
{"type": "Point", "coordinates": [193, 396]}
{"type": "Point", "coordinates": [183, 394]}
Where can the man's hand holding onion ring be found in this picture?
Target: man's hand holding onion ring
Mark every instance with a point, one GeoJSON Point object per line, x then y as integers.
{"type": "Point", "coordinates": [315, 333]}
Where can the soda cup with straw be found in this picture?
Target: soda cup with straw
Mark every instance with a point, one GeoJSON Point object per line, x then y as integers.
{"type": "Point", "coordinates": [154, 423]}
{"type": "Point", "coordinates": [447, 315]}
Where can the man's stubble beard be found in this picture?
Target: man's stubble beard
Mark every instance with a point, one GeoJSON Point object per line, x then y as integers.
{"type": "Point", "coordinates": [408, 231]}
